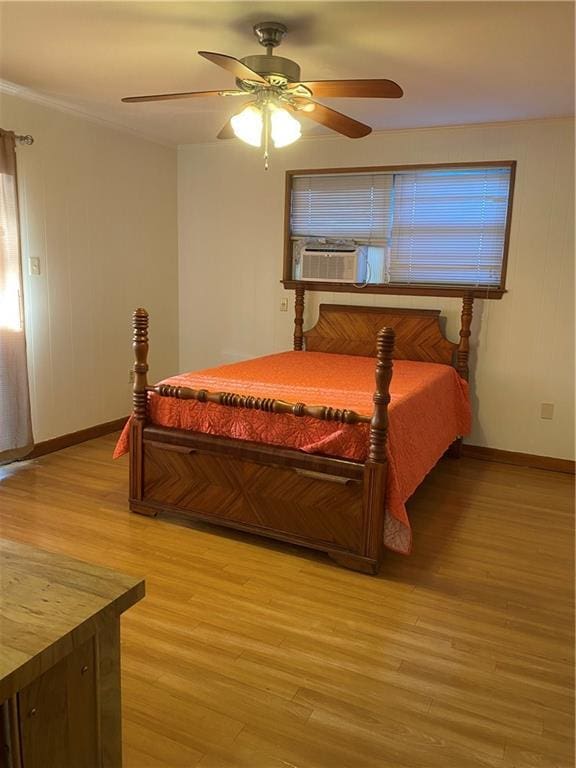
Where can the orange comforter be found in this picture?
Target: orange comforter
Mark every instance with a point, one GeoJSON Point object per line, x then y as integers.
{"type": "Point", "coordinates": [428, 409]}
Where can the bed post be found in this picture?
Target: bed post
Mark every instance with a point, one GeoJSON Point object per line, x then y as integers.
{"type": "Point", "coordinates": [139, 401]}
{"type": "Point", "coordinates": [462, 353]}
{"type": "Point", "coordinates": [374, 483]}
{"type": "Point", "coordinates": [464, 345]}
{"type": "Point", "coordinates": [299, 317]}
{"type": "Point", "coordinates": [376, 465]}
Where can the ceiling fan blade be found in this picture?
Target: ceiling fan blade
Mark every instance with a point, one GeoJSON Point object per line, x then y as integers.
{"type": "Point", "coordinates": [239, 70]}
{"type": "Point", "coordinates": [332, 119]}
{"type": "Point", "coordinates": [190, 95]}
{"type": "Point", "coordinates": [359, 89]}
{"type": "Point", "coordinates": [227, 132]}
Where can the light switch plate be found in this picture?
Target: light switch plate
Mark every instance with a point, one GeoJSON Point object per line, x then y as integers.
{"type": "Point", "coordinates": [34, 265]}
{"type": "Point", "coordinates": [546, 410]}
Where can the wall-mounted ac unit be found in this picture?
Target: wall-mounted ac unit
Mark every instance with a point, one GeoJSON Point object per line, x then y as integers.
{"type": "Point", "coordinates": [331, 265]}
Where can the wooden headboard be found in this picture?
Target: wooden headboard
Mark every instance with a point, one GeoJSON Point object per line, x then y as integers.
{"type": "Point", "coordinates": [351, 330]}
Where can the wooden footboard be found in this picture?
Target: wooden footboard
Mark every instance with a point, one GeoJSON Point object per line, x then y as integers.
{"type": "Point", "coordinates": [242, 487]}
{"type": "Point", "coordinates": [316, 504]}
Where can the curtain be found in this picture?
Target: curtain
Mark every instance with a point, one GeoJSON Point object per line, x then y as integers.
{"type": "Point", "coordinates": [15, 422]}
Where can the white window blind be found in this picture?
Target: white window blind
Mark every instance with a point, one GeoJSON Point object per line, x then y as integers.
{"type": "Point", "coordinates": [442, 226]}
{"type": "Point", "coordinates": [449, 226]}
{"type": "Point", "coordinates": [342, 206]}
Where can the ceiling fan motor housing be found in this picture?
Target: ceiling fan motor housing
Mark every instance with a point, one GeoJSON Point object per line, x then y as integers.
{"type": "Point", "coordinates": [276, 69]}
{"type": "Point", "coordinates": [270, 33]}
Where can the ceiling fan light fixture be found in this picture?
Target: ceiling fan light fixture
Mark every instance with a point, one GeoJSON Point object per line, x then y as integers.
{"type": "Point", "coordinates": [247, 126]}
{"type": "Point", "coordinates": [285, 129]}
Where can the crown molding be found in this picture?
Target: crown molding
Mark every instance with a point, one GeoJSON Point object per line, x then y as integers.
{"type": "Point", "coordinates": [28, 94]}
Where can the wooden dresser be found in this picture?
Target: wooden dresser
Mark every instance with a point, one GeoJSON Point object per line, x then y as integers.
{"type": "Point", "coordinates": [60, 660]}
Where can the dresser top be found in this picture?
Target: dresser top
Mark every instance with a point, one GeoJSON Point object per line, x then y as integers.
{"type": "Point", "coordinates": [49, 604]}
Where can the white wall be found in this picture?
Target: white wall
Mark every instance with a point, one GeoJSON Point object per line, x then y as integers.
{"type": "Point", "coordinates": [98, 208]}
{"type": "Point", "coordinates": [230, 241]}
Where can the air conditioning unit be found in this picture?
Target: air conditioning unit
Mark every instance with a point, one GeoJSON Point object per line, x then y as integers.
{"type": "Point", "coordinates": [338, 265]}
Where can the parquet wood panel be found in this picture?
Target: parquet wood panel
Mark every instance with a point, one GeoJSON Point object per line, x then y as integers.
{"type": "Point", "coordinates": [353, 331]}
{"type": "Point", "coordinates": [269, 498]}
{"type": "Point", "coordinates": [254, 654]}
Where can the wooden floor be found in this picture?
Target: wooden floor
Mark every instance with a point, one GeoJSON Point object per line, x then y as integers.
{"type": "Point", "coordinates": [259, 655]}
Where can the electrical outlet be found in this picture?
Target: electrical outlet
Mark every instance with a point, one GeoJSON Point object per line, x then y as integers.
{"type": "Point", "coordinates": [546, 410]}
{"type": "Point", "coordinates": [130, 376]}
{"type": "Point", "coordinates": [33, 265]}
{"type": "Point", "coordinates": [283, 305]}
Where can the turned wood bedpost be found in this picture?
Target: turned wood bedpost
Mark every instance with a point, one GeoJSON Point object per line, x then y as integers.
{"type": "Point", "coordinates": [299, 317]}
{"type": "Point", "coordinates": [139, 401]}
{"type": "Point", "coordinates": [464, 345]}
{"type": "Point", "coordinates": [462, 354]}
{"type": "Point", "coordinates": [140, 347]}
{"type": "Point", "coordinates": [379, 423]}
{"type": "Point", "coordinates": [376, 464]}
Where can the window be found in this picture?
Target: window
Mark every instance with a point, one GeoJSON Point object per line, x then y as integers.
{"type": "Point", "coordinates": [421, 229]}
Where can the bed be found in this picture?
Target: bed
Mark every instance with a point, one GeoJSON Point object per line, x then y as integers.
{"type": "Point", "coordinates": [249, 445]}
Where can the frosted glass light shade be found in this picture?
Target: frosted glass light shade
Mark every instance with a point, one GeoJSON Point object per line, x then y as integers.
{"type": "Point", "coordinates": [247, 126]}
{"type": "Point", "coordinates": [284, 128]}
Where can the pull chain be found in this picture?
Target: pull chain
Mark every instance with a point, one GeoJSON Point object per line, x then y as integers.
{"type": "Point", "coordinates": [266, 135]}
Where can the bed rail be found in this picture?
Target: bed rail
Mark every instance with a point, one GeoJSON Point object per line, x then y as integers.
{"type": "Point", "coordinates": [266, 404]}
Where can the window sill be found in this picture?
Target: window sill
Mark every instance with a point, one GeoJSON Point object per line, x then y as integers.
{"type": "Point", "coordinates": [402, 290]}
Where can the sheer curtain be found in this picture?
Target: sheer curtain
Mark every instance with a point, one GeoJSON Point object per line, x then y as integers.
{"type": "Point", "coordinates": [15, 423]}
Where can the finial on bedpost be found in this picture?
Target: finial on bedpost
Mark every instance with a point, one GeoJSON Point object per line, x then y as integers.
{"type": "Point", "coordinates": [140, 347]}
{"type": "Point", "coordinates": [379, 423]}
{"type": "Point", "coordinates": [299, 317]}
{"type": "Point", "coordinates": [464, 345]}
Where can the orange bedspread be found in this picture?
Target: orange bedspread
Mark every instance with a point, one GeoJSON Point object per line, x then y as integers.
{"type": "Point", "coordinates": [429, 408]}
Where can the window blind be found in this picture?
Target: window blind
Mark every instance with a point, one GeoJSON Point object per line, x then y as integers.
{"type": "Point", "coordinates": [449, 226]}
{"type": "Point", "coordinates": [342, 206]}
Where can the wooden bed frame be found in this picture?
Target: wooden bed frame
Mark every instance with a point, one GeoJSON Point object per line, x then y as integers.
{"type": "Point", "coordinates": [329, 504]}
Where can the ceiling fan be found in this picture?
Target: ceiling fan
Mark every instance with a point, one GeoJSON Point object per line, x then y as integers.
{"type": "Point", "coordinates": [272, 85]}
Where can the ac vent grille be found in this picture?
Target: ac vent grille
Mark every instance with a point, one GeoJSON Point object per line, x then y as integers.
{"type": "Point", "coordinates": [330, 266]}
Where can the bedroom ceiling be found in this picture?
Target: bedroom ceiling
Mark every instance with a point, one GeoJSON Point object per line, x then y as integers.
{"type": "Point", "coordinates": [458, 62]}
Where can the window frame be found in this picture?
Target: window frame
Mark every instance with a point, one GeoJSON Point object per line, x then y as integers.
{"type": "Point", "coordinates": [409, 289]}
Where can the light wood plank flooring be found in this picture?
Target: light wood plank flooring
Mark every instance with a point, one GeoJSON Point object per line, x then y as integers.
{"type": "Point", "coordinates": [251, 654]}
